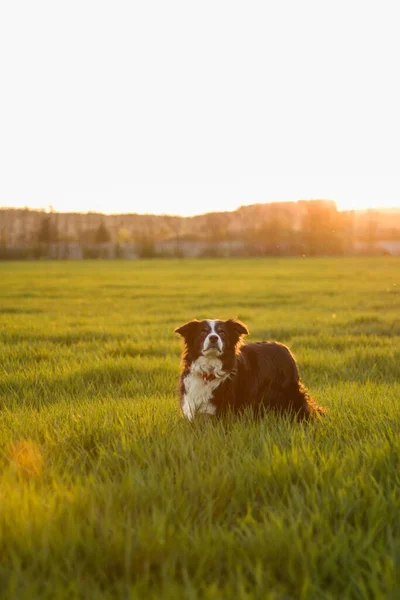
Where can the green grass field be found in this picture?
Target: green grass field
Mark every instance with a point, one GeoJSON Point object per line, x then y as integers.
{"type": "Point", "coordinates": [106, 492]}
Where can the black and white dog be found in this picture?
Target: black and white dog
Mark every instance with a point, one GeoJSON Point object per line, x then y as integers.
{"type": "Point", "coordinates": [221, 374]}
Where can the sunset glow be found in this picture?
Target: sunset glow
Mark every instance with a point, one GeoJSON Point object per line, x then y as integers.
{"type": "Point", "coordinates": [181, 110]}
{"type": "Point", "coordinates": [349, 193]}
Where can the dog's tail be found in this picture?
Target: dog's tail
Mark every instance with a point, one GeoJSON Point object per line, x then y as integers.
{"type": "Point", "coordinates": [307, 407]}
{"type": "Point", "coordinates": [294, 398]}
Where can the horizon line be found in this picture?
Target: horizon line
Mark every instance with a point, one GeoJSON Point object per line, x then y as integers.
{"type": "Point", "coordinates": [50, 209]}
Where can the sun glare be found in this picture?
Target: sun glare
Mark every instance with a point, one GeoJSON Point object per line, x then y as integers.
{"type": "Point", "coordinates": [187, 199]}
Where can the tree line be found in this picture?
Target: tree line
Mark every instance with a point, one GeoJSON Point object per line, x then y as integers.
{"type": "Point", "coordinates": [312, 228]}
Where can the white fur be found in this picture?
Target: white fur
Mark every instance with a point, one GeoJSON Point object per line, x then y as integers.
{"type": "Point", "coordinates": [213, 350]}
{"type": "Point", "coordinates": [199, 391]}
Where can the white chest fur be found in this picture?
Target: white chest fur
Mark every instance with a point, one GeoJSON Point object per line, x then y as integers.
{"type": "Point", "coordinates": [198, 389]}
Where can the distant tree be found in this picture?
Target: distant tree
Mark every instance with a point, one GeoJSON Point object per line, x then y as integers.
{"type": "Point", "coordinates": [152, 230]}
{"type": "Point", "coordinates": [247, 228]}
{"type": "Point", "coordinates": [24, 231]}
{"type": "Point", "coordinates": [47, 232]}
{"type": "Point", "coordinates": [321, 229]}
{"type": "Point", "coordinates": [102, 235]}
{"type": "Point", "coordinates": [272, 237]}
{"type": "Point", "coordinates": [214, 231]}
{"type": "Point", "coordinates": [346, 230]}
{"type": "Point", "coordinates": [146, 239]}
{"type": "Point", "coordinates": [3, 233]}
{"type": "Point", "coordinates": [214, 227]}
{"type": "Point", "coordinates": [174, 224]}
{"type": "Point", "coordinates": [371, 229]}
{"type": "Point", "coordinates": [124, 235]}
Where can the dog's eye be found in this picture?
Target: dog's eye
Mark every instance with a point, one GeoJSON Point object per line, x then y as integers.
{"type": "Point", "coordinates": [221, 334]}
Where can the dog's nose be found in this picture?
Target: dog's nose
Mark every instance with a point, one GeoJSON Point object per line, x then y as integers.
{"type": "Point", "coordinates": [213, 338]}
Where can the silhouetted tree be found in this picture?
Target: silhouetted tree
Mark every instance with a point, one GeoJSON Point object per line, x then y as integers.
{"type": "Point", "coordinates": [321, 228]}
{"type": "Point", "coordinates": [371, 230]}
{"type": "Point", "coordinates": [3, 233]}
{"type": "Point", "coordinates": [47, 232]}
{"type": "Point", "coordinates": [271, 237]}
{"type": "Point", "coordinates": [175, 225]}
{"type": "Point", "coordinates": [214, 230]}
{"type": "Point", "coordinates": [102, 235]}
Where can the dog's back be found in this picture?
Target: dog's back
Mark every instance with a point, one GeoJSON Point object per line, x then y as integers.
{"type": "Point", "coordinates": [267, 377]}
{"type": "Point", "coordinates": [271, 361]}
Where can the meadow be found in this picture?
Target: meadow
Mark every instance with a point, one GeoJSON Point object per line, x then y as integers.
{"type": "Point", "coordinates": [106, 492]}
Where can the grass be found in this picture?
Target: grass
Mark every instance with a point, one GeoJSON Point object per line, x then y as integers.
{"type": "Point", "coordinates": [105, 492]}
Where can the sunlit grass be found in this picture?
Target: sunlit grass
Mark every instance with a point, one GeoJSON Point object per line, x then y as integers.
{"type": "Point", "coordinates": [106, 492]}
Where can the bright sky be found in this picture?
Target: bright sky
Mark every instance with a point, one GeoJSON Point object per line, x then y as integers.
{"type": "Point", "coordinates": [187, 107]}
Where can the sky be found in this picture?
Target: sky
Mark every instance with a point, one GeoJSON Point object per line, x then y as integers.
{"type": "Point", "coordinates": [190, 107]}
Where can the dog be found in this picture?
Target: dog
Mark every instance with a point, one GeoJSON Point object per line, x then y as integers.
{"type": "Point", "coordinates": [220, 374]}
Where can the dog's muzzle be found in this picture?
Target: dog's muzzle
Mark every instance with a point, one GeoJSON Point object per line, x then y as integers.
{"type": "Point", "coordinates": [213, 343]}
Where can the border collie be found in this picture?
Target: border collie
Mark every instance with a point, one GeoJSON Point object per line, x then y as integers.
{"type": "Point", "coordinates": [219, 374]}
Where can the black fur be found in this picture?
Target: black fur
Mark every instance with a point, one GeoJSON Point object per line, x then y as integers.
{"type": "Point", "coordinates": [263, 375]}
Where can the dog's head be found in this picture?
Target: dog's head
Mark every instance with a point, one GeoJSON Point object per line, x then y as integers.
{"type": "Point", "coordinates": [212, 338]}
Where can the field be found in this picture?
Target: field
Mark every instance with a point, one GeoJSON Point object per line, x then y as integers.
{"type": "Point", "coordinates": [106, 492]}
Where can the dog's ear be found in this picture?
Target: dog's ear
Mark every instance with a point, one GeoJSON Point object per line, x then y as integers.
{"type": "Point", "coordinates": [187, 329]}
{"type": "Point", "coordinates": [239, 327]}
